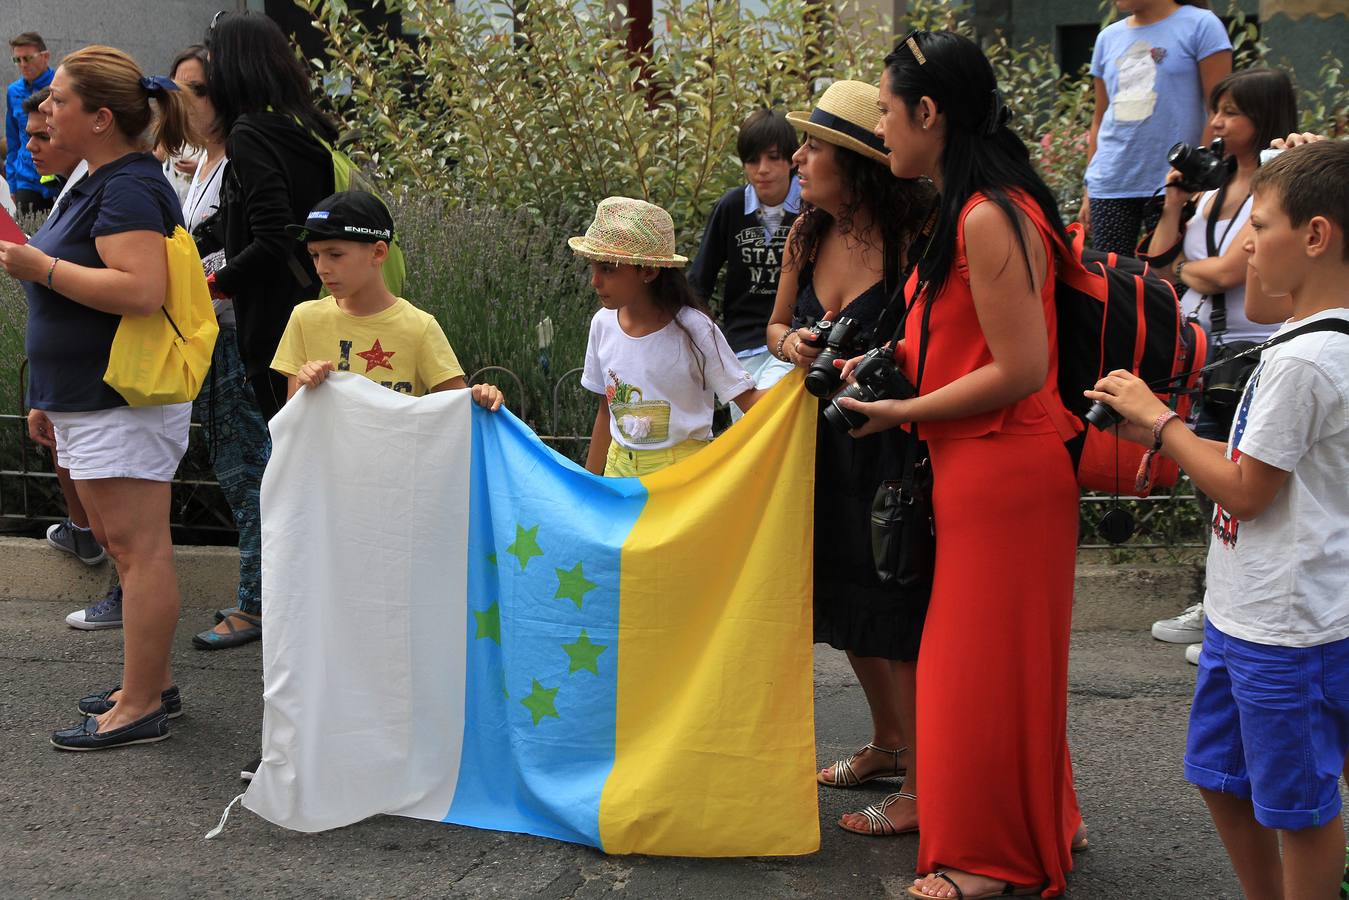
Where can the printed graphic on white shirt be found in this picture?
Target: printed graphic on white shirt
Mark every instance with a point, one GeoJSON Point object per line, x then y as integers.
{"type": "Point", "coordinates": [1226, 525]}
{"type": "Point", "coordinates": [639, 420]}
{"type": "Point", "coordinates": [1136, 97]}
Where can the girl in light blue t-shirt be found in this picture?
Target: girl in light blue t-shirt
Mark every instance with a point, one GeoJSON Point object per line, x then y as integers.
{"type": "Point", "coordinates": [1152, 72]}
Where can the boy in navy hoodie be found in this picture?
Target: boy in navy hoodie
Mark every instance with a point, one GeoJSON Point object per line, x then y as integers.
{"type": "Point", "coordinates": [746, 234]}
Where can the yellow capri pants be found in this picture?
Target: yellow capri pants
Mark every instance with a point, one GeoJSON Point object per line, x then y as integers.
{"type": "Point", "coordinates": [622, 462]}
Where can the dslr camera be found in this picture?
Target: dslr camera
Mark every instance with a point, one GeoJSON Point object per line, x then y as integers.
{"type": "Point", "coordinates": [875, 378]}
{"type": "Point", "coordinates": [839, 339]}
{"type": "Point", "coordinates": [1201, 168]}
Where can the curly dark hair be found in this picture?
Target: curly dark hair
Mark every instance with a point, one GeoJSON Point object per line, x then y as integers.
{"type": "Point", "coordinates": [897, 208]}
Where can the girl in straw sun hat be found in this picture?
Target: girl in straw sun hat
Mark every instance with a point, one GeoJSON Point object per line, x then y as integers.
{"type": "Point", "coordinates": [844, 259]}
{"type": "Point", "coordinates": [654, 355]}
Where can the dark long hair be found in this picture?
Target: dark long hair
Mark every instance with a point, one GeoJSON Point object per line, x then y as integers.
{"type": "Point", "coordinates": [981, 155]}
{"type": "Point", "coordinates": [252, 69]}
{"type": "Point", "coordinates": [1266, 97]}
{"type": "Point", "coordinates": [896, 207]}
{"type": "Point", "coordinates": [671, 292]}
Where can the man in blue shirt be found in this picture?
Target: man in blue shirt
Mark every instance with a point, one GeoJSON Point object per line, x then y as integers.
{"type": "Point", "coordinates": [29, 53]}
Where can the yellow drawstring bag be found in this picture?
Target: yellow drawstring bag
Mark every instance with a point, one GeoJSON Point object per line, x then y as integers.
{"type": "Point", "coordinates": [163, 358]}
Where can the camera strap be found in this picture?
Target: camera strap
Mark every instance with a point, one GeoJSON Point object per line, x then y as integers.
{"type": "Point", "coordinates": [1337, 324]}
{"type": "Point", "coordinates": [1218, 301]}
{"type": "Point", "coordinates": [896, 311]}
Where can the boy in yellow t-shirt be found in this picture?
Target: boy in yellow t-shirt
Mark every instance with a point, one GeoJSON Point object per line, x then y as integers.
{"type": "Point", "coordinates": [363, 327]}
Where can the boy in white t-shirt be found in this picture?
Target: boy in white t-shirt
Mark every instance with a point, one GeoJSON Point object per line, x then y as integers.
{"type": "Point", "coordinates": [1269, 728]}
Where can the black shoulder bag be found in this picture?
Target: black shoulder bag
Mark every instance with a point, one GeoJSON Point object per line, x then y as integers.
{"type": "Point", "coordinates": [903, 536]}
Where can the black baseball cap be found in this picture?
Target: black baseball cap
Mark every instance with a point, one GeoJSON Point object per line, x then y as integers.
{"type": "Point", "coordinates": [346, 216]}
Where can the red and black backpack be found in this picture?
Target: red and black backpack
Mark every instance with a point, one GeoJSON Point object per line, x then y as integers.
{"type": "Point", "coordinates": [1115, 312]}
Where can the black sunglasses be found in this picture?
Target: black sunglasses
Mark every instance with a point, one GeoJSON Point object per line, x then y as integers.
{"type": "Point", "coordinates": [196, 87]}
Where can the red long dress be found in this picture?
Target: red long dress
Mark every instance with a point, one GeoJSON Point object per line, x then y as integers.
{"type": "Point", "coordinates": [996, 793]}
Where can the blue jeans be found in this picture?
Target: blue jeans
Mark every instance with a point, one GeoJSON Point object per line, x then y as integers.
{"type": "Point", "coordinates": [239, 444]}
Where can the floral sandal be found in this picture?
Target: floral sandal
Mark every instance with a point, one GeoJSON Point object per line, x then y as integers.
{"type": "Point", "coordinates": [878, 823]}
{"type": "Point", "coordinates": [846, 777]}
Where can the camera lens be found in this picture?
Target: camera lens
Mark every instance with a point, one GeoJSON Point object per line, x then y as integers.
{"type": "Point", "coordinates": [1103, 417]}
{"type": "Point", "coordinates": [822, 379]}
{"type": "Point", "coordinates": [843, 419]}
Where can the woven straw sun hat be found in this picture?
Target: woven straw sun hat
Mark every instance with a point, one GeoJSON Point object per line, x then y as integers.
{"type": "Point", "coordinates": [630, 232]}
{"type": "Point", "coordinates": [846, 115]}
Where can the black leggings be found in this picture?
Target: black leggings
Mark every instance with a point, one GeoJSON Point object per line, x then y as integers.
{"type": "Point", "coordinates": [1117, 224]}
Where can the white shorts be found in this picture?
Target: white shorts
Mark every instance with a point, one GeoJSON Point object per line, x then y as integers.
{"type": "Point", "coordinates": [145, 442]}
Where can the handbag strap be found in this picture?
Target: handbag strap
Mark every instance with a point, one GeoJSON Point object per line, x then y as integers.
{"type": "Point", "coordinates": [897, 308]}
{"type": "Point", "coordinates": [1218, 301]}
{"type": "Point", "coordinates": [911, 450]}
{"type": "Point", "coordinates": [1338, 325]}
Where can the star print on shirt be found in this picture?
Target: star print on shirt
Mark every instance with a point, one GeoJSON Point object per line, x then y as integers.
{"type": "Point", "coordinates": [376, 357]}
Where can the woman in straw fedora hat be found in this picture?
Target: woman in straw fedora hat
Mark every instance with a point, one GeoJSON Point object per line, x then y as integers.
{"type": "Point", "coordinates": [844, 258]}
{"type": "Point", "coordinates": [654, 356]}
{"type": "Point", "coordinates": [998, 811]}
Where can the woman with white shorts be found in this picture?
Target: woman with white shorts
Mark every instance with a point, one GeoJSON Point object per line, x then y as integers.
{"type": "Point", "coordinates": [100, 256]}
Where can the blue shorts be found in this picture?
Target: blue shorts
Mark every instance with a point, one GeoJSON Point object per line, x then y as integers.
{"type": "Point", "coordinates": [1271, 725]}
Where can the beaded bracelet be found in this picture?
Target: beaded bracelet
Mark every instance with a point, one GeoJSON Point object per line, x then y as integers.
{"type": "Point", "coordinates": [1143, 481]}
{"type": "Point", "coordinates": [55, 260]}
{"type": "Point", "coordinates": [777, 351]}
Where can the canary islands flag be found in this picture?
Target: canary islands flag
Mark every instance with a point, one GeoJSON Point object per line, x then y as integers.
{"type": "Point", "coordinates": [464, 626]}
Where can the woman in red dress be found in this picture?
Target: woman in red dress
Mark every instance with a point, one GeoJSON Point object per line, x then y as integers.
{"type": "Point", "coordinates": [997, 812]}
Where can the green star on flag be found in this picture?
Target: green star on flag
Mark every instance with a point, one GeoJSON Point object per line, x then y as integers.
{"type": "Point", "coordinates": [584, 654]}
{"type": "Point", "coordinates": [573, 585]}
{"type": "Point", "coordinates": [540, 702]}
{"type": "Point", "coordinates": [489, 622]}
{"type": "Point", "coordinates": [526, 545]}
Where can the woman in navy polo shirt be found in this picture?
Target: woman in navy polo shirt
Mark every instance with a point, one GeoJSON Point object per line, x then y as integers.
{"type": "Point", "coordinates": [100, 256]}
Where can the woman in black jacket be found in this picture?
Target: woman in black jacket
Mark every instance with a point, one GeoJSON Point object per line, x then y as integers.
{"type": "Point", "coordinates": [279, 170]}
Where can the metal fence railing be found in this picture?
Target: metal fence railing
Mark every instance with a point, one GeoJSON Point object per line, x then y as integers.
{"type": "Point", "coordinates": [30, 496]}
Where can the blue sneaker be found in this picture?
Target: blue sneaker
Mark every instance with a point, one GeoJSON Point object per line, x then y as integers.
{"type": "Point", "coordinates": [106, 613]}
{"type": "Point", "coordinates": [78, 542]}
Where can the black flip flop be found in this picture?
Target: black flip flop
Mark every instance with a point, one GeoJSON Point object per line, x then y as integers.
{"type": "Point", "coordinates": [237, 637]}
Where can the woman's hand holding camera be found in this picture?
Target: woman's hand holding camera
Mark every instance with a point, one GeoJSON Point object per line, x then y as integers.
{"type": "Point", "coordinates": [1176, 194]}
{"type": "Point", "coordinates": [1131, 397]}
{"type": "Point", "coordinates": [882, 415]}
{"type": "Point", "coordinates": [801, 348]}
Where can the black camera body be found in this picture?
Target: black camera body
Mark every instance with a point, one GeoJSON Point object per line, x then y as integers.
{"type": "Point", "coordinates": [876, 377]}
{"type": "Point", "coordinates": [842, 339]}
{"type": "Point", "coordinates": [1201, 168]}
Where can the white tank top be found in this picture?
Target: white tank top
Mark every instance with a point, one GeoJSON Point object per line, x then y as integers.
{"type": "Point", "coordinates": [1193, 303]}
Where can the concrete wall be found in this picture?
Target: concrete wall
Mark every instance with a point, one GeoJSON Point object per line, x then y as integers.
{"type": "Point", "coordinates": [152, 31]}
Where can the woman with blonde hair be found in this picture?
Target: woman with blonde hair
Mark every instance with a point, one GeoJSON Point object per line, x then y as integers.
{"type": "Point", "coordinates": [101, 256]}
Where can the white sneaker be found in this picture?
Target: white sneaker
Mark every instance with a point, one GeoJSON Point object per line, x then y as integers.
{"type": "Point", "coordinates": [1192, 653]}
{"type": "Point", "coordinates": [1186, 628]}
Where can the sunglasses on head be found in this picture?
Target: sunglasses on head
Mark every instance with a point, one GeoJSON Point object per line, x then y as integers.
{"type": "Point", "coordinates": [910, 40]}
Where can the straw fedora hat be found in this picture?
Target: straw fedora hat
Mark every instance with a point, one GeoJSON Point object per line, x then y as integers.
{"type": "Point", "coordinates": [631, 232]}
{"type": "Point", "coordinates": [846, 115]}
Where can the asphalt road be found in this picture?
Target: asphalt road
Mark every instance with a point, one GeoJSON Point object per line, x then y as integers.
{"type": "Point", "coordinates": [130, 823]}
